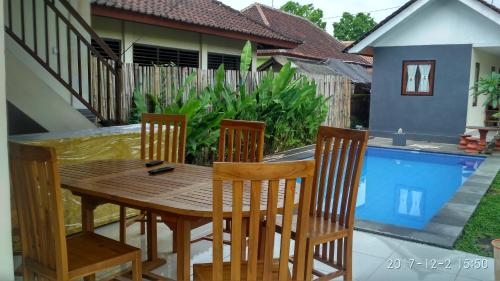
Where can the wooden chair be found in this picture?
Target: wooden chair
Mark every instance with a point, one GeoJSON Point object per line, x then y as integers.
{"type": "Point", "coordinates": [166, 141]}
{"type": "Point", "coordinates": [339, 159]}
{"type": "Point", "coordinates": [251, 183]}
{"type": "Point", "coordinates": [241, 141]}
{"type": "Point", "coordinates": [46, 252]}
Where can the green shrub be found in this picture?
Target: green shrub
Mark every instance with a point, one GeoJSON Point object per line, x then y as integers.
{"type": "Point", "coordinates": [288, 105]}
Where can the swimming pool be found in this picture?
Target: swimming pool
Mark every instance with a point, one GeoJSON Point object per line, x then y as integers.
{"type": "Point", "coordinates": [407, 188]}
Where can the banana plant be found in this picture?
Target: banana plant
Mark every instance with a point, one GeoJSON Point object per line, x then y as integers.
{"type": "Point", "coordinates": [288, 105]}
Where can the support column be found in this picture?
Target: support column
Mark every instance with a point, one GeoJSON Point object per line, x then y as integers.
{"type": "Point", "coordinates": [203, 52]}
{"type": "Point", "coordinates": [6, 262]}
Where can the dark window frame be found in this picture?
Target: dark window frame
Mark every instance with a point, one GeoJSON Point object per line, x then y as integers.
{"type": "Point", "coordinates": [158, 55]}
{"type": "Point", "coordinates": [224, 57]}
{"type": "Point", "coordinates": [110, 42]}
{"type": "Point", "coordinates": [432, 76]}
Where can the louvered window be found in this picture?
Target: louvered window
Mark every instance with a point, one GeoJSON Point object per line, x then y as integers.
{"type": "Point", "coordinates": [230, 62]}
{"type": "Point", "coordinates": [153, 55]}
{"type": "Point", "coordinates": [114, 44]}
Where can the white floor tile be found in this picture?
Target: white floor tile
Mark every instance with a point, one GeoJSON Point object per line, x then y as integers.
{"type": "Point", "coordinates": [374, 245]}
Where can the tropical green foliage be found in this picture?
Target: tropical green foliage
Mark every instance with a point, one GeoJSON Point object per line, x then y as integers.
{"type": "Point", "coordinates": [306, 11]}
{"type": "Point", "coordinates": [489, 86]}
{"type": "Point", "coordinates": [352, 27]}
{"type": "Point", "coordinates": [289, 106]}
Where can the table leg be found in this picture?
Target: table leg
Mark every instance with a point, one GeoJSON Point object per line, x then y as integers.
{"type": "Point", "coordinates": [183, 245]}
{"type": "Point", "coordinates": [88, 207]}
{"type": "Point", "coordinates": [152, 239]}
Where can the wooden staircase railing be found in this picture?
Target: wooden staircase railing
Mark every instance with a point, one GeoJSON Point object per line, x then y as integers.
{"type": "Point", "coordinates": [59, 39]}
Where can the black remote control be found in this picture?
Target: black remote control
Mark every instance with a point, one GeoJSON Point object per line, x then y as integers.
{"type": "Point", "coordinates": [161, 170]}
{"type": "Point", "coordinates": [154, 163]}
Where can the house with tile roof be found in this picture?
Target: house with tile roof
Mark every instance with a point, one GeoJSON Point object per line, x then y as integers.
{"type": "Point", "coordinates": [428, 56]}
{"type": "Point", "coordinates": [191, 33]}
{"type": "Point", "coordinates": [319, 54]}
{"type": "Point", "coordinates": [316, 45]}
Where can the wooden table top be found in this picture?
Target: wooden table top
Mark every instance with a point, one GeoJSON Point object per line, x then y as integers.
{"type": "Point", "coordinates": [185, 191]}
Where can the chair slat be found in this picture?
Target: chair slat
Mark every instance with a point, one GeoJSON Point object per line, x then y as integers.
{"type": "Point", "coordinates": [286, 233]}
{"type": "Point", "coordinates": [246, 135]}
{"type": "Point", "coordinates": [272, 211]}
{"type": "Point", "coordinates": [346, 192]}
{"type": "Point", "coordinates": [168, 149]}
{"type": "Point", "coordinates": [331, 176]}
{"type": "Point", "coordinates": [230, 141]}
{"type": "Point", "coordinates": [236, 247]}
{"type": "Point", "coordinates": [301, 234]}
{"type": "Point", "coordinates": [222, 144]}
{"type": "Point", "coordinates": [324, 169]}
{"type": "Point", "coordinates": [182, 143]}
{"type": "Point", "coordinates": [238, 148]}
{"type": "Point", "coordinates": [151, 148]}
{"type": "Point", "coordinates": [253, 144]}
{"type": "Point", "coordinates": [143, 140]}
{"type": "Point", "coordinates": [254, 221]}
{"type": "Point", "coordinates": [340, 177]}
{"type": "Point", "coordinates": [159, 142]}
{"type": "Point", "coordinates": [318, 153]}
{"type": "Point", "coordinates": [217, 273]}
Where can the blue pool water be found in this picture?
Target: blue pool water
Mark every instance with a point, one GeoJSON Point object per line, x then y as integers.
{"type": "Point", "coordinates": [407, 188]}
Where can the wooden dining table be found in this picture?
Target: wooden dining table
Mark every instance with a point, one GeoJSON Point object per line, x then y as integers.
{"type": "Point", "coordinates": [182, 197]}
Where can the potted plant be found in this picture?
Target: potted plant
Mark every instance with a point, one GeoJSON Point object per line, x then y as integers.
{"type": "Point", "coordinates": [489, 86]}
{"type": "Point", "coordinates": [496, 254]}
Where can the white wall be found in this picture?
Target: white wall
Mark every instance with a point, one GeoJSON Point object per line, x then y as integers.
{"type": "Point", "coordinates": [34, 93]}
{"type": "Point", "coordinates": [476, 114]}
{"type": "Point", "coordinates": [6, 263]}
{"type": "Point", "coordinates": [131, 32]}
{"type": "Point", "coordinates": [443, 22]}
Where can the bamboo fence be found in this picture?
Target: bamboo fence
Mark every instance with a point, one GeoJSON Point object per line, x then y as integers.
{"type": "Point", "coordinates": [165, 81]}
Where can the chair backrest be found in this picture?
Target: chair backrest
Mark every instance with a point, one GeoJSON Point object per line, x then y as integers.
{"type": "Point", "coordinates": [37, 191]}
{"type": "Point", "coordinates": [254, 187]}
{"type": "Point", "coordinates": [244, 141]}
{"type": "Point", "coordinates": [339, 159]}
{"type": "Point", "coordinates": [166, 137]}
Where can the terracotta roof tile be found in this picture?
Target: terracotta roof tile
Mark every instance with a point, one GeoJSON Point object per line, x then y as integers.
{"type": "Point", "coordinates": [317, 43]}
{"type": "Point", "coordinates": [207, 13]}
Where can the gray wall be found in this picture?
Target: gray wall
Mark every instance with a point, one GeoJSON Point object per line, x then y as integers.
{"type": "Point", "coordinates": [441, 117]}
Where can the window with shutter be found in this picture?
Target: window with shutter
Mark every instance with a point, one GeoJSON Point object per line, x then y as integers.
{"type": "Point", "coordinates": [114, 44]}
{"type": "Point", "coordinates": [230, 62]}
{"type": "Point", "coordinates": [154, 55]}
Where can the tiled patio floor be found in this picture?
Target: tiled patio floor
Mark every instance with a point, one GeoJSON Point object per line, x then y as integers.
{"type": "Point", "coordinates": [372, 255]}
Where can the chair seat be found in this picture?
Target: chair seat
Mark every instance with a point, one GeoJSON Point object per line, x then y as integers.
{"type": "Point", "coordinates": [89, 252]}
{"type": "Point", "coordinates": [319, 230]}
{"type": "Point", "coordinates": [203, 271]}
